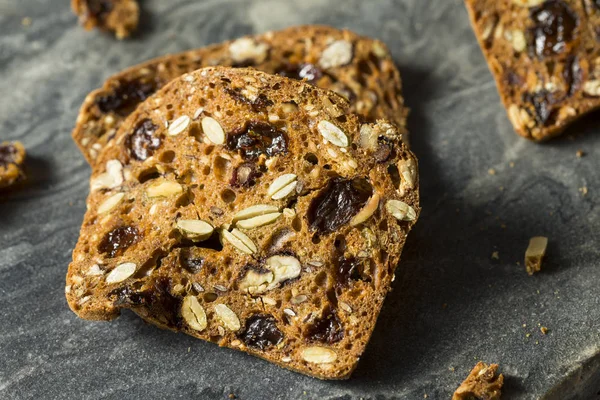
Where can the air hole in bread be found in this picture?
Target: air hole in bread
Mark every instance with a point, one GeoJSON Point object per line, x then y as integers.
{"type": "Point", "coordinates": [148, 174]}
{"type": "Point", "coordinates": [228, 196]}
{"type": "Point", "coordinates": [394, 175]}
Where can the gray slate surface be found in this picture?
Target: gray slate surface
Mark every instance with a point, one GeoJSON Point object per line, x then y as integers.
{"type": "Point", "coordinates": [452, 304]}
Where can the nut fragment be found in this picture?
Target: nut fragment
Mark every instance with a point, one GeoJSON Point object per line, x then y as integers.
{"type": "Point", "coordinates": [301, 298]}
{"type": "Point", "coordinates": [528, 3]}
{"type": "Point", "coordinates": [367, 211]}
{"type": "Point", "coordinates": [592, 87]}
{"type": "Point", "coordinates": [400, 210]}
{"type": "Point", "coordinates": [213, 130]}
{"type": "Point", "coordinates": [368, 137]}
{"type": "Point", "coordinates": [110, 203]}
{"type": "Point", "coordinates": [227, 317]}
{"type": "Point", "coordinates": [193, 313]}
{"type": "Point", "coordinates": [535, 253]}
{"type": "Point", "coordinates": [277, 269]}
{"type": "Point", "coordinates": [239, 240]}
{"type": "Point", "coordinates": [179, 125]}
{"type": "Point", "coordinates": [283, 268]}
{"type": "Point", "coordinates": [518, 40]}
{"type": "Point", "coordinates": [282, 186]}
{"type": "Point", "coordinates": [336, 54]}
{"type": "Point", "coordinates": [333, 134]}
{"type": "Point", "coordinates": [195, 229]}
{"type": "Point", "coordinates": [408, 174]}
{"type": "Point", "coordinates": [121, 272]}
{"type": "Point", "coordinates": [110, 179]}
{"type": "Point", "coordinates": [318, 355]}
{"type": "Point", "coordinates": [164, 189]}
{"type": "Point", "coordinates": [245, 49]}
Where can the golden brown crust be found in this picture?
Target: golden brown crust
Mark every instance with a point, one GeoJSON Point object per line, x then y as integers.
{"type": "Point", "coordinates": [359, 68]}
{"type": "Point", "coordinates": [173, 230]}
{"type": "Point", "coordinates": [545, 58]}
{"type": "Point", "coordinates": [12, 160]}
{"type": "Point", "coordinates": [118, 16]}
{"type": "Point", "coordinates": [481, 384]}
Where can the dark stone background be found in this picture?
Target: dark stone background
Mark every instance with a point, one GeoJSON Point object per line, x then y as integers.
{"type": "Point", "coordinates": [452, 304]}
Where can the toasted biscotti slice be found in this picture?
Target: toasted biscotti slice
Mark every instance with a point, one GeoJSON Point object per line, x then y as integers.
{"type": "Point", "coordinates": [118, 16]}
{"type": "Point", "coordinates": [12, 160]}
{"type": "Point", "coordinates": [250, 210]}
{"type": "Point", "coordinates": [359, 68]}
{"type": "Point", "coordinates": [545, 57]}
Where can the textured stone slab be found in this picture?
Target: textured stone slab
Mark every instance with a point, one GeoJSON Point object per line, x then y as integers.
{"type": "Point", "coordinates": [453, 304]}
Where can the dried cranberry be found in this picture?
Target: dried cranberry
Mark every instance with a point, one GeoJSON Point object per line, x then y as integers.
{"type": "Point", "coordinates": [118, 240]}
{"type": "Point", "coordinates": [142, 142]}
{"type": "Point", "coordinates": [261, 332]}
{"type": "Point", "coordinates": [245, 174]}
{"type": "Point", "coordinates": [542, 103]}
{"type": "Point", "coordinates": [125, 98]}
{"type": "Point", "coordinates": [307, 71]}
{"type": "Point", "coordinates": [157, 300]}
{"type": "Point", "coordinates": [259, 103]}
{"type": "Point", "coordinates": [347, 270]}
{"type": "Point", "coordinates": [326, 329]}
{"type": "Point", "coordinates": [7, 154]}
{"type": "Point", "coordinates": [337, 203]}
{"type": "Point", "coordinates": [385, 149]}
{"type": "Point", "coordinates": [554, 26]}
{"type": "Point", "coordinates": [572, 74]}
{"type": "Point", "coordinates": [99, 9]}
{"type": "Point", "coordinates": [257, 138]}
{"type": "Point", "coordinates": [189, 262]}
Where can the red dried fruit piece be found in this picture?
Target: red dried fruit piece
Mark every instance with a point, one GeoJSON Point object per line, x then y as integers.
{"type": "Point", "coordinates": [257, 138]}
{"type": "Point", "coordinates": [261, 332]}
{"type": "Point", "coordinates": [245, 174]}
{"type": "Point", "coordinates": [258, 104]}
{"type": "Point", "coordinates": [542, 102]}
{"type": "Point", "coordinates": [554, 27]}
{"type": "Point", "coordinates": [337, 203]}
{"type": "Point", "coordinates": [307, 71]}
{"type": "Point", "coordinates": [118, 240]}
{"type": "Point", "coordinates": [7, 154]}
{"type": "Point", "coordinates": [347, 270]}
{"type": "Point", "coordinates": [326, 329]}
{"type": "Point", "coordinates": [126, 97]}
{"type": "Point", "coordinates": [99, 9]}
{"type": "Point", "coordinates": [189, 262]}
{"type": "Point", "coordinates": [142, 142]}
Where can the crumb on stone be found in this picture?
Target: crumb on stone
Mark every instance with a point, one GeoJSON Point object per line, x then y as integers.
{"type": "Point", "coordinates": [535, 253]}
{"type": "Point", "coordinates": [26, 21]}
{"type": "Point", "coordinates": [544, 330]}
{"type": "Point", "coordinates": [482, 383]}
{"type": "Point", "coordinates": [580, 153]}
{"type": "Point", "coordinates": [492, 171]}
{"type": "Point", "coordinates": [583, 190]}
{"type": "Point", "coordinates": [495, 255]}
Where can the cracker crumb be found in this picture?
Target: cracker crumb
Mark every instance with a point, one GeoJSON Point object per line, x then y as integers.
{"type": "Point", "coordinates": [495, 255]}
{"type": "Point", "coordinates": [583, 190]}
{"type": "Point", "coordinates": [511, 164]}
{"type": "Point", "coordinates": [535, 253]}
{"type": "Point", "coordinates": [492, 171]}
{"type": "Point", "coordinates": [544, 330]}
{"type": "Point", "coordinates": [580, 153]}
{"type": "Point", "coordinates": [26, 21]}
{"type": "Point", "coordinates": [482, 383]}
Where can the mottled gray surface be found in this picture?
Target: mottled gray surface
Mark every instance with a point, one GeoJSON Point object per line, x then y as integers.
{"type": "Point", "coordinates": [452, 304]}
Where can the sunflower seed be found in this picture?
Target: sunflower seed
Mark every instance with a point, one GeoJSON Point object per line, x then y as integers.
{"type": "Point", "coordinates": [164, 189]}
{"type": "Point", "coordinates": [282, 186]}
{"type": "Point", "coordinates": [195, 229]}
{"type": "Point", "coordinates": [193, 313]}
{"type": "Point", "coordinates": [110, 203]}
{"type": "Point", "coordinates": [121, 272]}
{"type": "Point", "coordinates": [213, 130]}
{"type": "Point", "coordinates": [318, 355]}
{"type": "Point", "coordinates": [367, 211]}
{"type": "Point", "coordinates": [110, 179]}
{"type": "Point", "coordinates": [227, 317]}
{"type": "Point", "coordinates": [333, 134]}
{"type": "Point", "coordinates": [240, 241]}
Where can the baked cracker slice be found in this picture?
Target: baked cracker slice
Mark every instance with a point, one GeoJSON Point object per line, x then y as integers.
{"type": "Point", "coordinates": [250, 210]}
